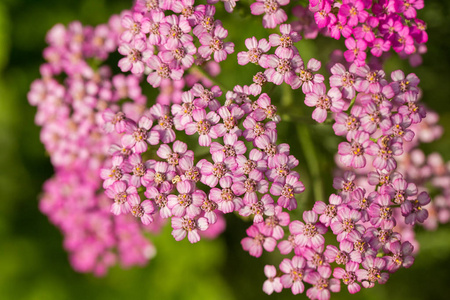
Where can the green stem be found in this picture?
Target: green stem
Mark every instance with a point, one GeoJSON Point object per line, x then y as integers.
{"type": "Point", "coordinates": [306, 143]}
{"type": "Point", "coordinates": [312, 161]}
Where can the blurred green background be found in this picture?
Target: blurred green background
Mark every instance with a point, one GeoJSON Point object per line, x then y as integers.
{"type": "Point", "coordinates": [33, 264]}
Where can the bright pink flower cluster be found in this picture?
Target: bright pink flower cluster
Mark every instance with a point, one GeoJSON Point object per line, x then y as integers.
{"type": "Point", "coordinates": [376, 26]}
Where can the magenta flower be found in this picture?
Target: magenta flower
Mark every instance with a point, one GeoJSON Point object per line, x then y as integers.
{"type": "Point", "coordinates": [322, 15]}
{"type": "Point", "coordinates": [255, 242]}
{"type": "Point", "coordinates": [338, 25]}
{"type": "Point", "coordinates": [403, 41]}
{"type": "Point", "coordinates": [354, 11]}
{"type": "Point", "coordinates": [356, 51]}
{"type": "Point", "coordinates": [408, 7]}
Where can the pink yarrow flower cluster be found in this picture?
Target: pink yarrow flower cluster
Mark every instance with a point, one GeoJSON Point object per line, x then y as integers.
{"type": "Point", "coordinates": [124, 166]}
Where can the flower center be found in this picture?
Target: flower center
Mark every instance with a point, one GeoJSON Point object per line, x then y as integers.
{"type": "Point", "coordinates": [184, 199]}
{"type": "Point", "coordinates": [139, 170]}
{"type": "Point", "coordinates": [137, 211]}
{"type": "Point", "coordinates": [203, 127]}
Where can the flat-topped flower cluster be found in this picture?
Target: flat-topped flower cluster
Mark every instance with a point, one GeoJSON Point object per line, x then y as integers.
{"type": "Point", "coordinates": [124, 165]}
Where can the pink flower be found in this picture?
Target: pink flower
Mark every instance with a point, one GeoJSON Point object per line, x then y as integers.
{"type": "Point", "coordinates": [187, 226]}
{"type": "Point", "coordinates": [356, 51]}
{"type": "Point", "coordinates": [142, 210]}
{"type": "Point", "coordinates": [353, 154]}
{"type": "Point", "coordinates": [136, 54]}
{"type": "Point", "coordinates": [332, 101]}
{"type": "Point", "coordinates": [202, 125]}
{"type": "Point", "coordinates": [272, 283]}
{"type": "Point", "coordinates": [311, 232]}
{"type": "Point", "coordinates": [285, 42]}
{"type": "Point", "coordinates": [274, 15]}
{"type": "Point", "coordinates": [120, 193]}
{"type": "Point", "coordinates": [255, 242]}
{"type": "Point", "coordinates": [255, 50]}
{"type": "Point", "coordinates": [188, 202]}
{"type": "Point", "coordinates": [294, 271]}
{"type": "Point", "coordinates": [213, 44]}
{"type": "Point", "coordinates": [161, 71]}
{"type": "Point", "coordinates": [321, 284]}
